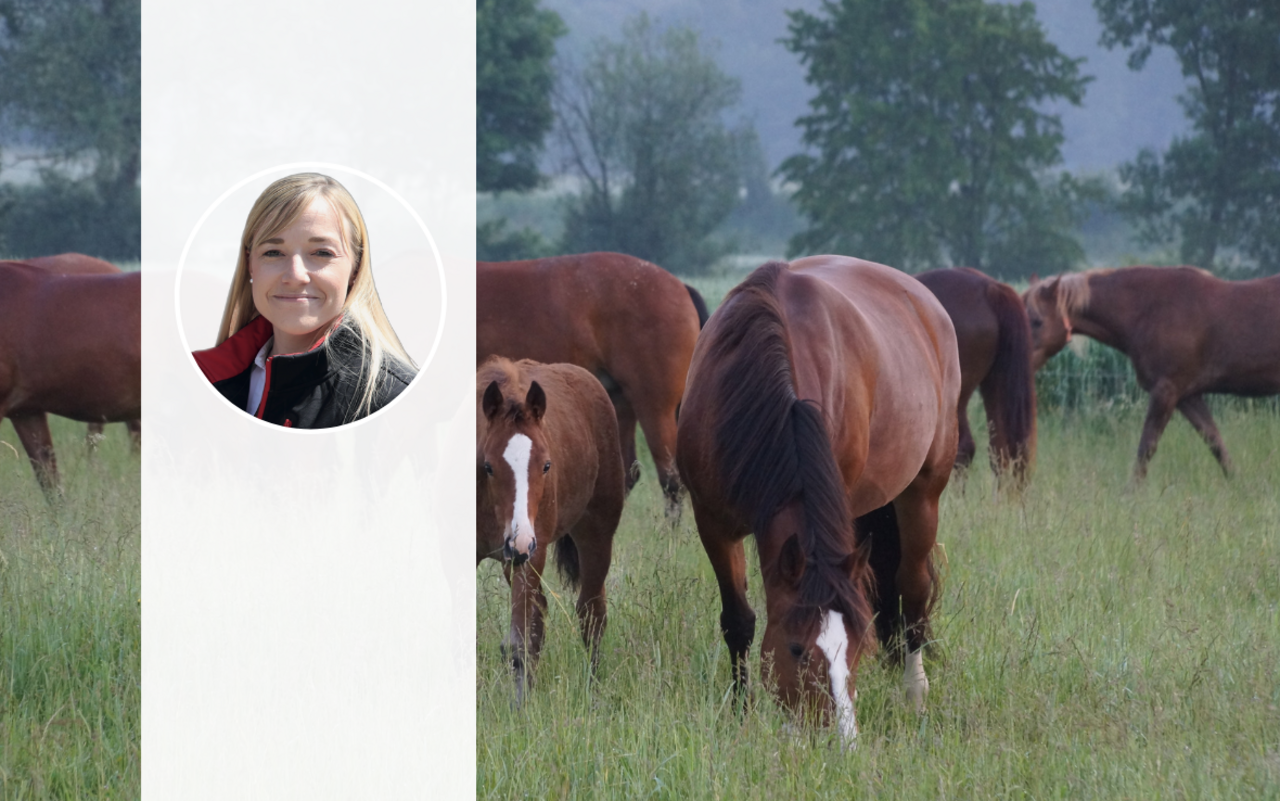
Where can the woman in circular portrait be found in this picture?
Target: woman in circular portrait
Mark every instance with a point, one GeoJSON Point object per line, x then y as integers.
{"type": "Point", "coordinates": [304, 342]}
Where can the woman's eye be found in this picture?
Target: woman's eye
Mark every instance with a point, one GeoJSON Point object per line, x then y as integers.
{"type": "Point", "coordinates": [328, 254]}
{"type": "Point", "coordinates": [271, 253]}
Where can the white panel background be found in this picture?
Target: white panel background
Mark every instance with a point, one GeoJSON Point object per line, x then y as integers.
{"type": "Point", "coordinates": [308, 597]}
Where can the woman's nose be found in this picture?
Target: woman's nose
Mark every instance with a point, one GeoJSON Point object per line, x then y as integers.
{"type": "Point", "coordinates": [296, 269]}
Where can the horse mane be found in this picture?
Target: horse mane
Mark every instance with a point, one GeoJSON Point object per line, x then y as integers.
{"type": "Point", "coordinates": [774, 448]}
{"type": "Point", "coordinates": [511, 380]}
{"type": "Point", "coordinates": [1074, 292]}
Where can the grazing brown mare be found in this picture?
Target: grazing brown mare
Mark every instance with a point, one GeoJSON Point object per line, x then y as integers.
{"type": "Point", "coordinates": [548, 469]}
{"type": "Point", "coordinates": [1186, 332]}
{"type": "Point", "coordinates": [820, 414]}
{"type": "Point", "coordinates": [80, 264]}
{"type": "Point", "coordinates": [630, 323]}
{"type": "Point", "coordinates": [71, 346]}
{"type": "Point", "coordinates": [994, 338]}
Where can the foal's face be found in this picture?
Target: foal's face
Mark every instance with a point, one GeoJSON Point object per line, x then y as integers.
{"type": "Point", "coordinates": [1049, 331]}
{"type": "Point", "coordinates": [513, 463]}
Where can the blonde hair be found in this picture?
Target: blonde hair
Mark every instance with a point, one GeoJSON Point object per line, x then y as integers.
{"type": "Point", "coordinates": [277, 208]}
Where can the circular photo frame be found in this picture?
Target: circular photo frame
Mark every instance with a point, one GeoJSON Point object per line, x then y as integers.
{"type": "Point", "coordinates": [406, 267]}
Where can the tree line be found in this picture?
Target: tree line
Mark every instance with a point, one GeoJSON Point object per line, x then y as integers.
{"type": "Point", "coordinates": [71, 96]}
{"type": "Point", "coordinates": [926, 143]}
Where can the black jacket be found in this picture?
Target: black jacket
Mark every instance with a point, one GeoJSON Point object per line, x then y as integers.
{"type": "Point", "coordinates": [320, 388]}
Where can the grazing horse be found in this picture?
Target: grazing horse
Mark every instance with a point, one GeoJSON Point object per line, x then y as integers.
{"type": "Point", "coordinates": [820, 415]}
{"type": "Point", "coordinates": [80, 264]}
{"type": "Point", "coordinates": [1186, 332]}
{"type": "Point", "coordinates": [994, 337]}
{"type": "Point", "coordinates": [71, 346]}
{"type": "Point", "coordinates": [548, 469]}
{"type": "Point", "coordinates": [630, 323]}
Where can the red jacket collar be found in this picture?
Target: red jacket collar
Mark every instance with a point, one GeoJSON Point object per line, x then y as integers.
{"type": "Point", "coordinates": [237, 352]}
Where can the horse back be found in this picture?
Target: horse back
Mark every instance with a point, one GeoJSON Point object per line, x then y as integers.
{"type": "Point", "coordinates": [74, 264]}
{"type": "Point", "coordinates": [898, 348]}
{"type": "Point", "coordinates": [1205, 333]}
{"type": "Point", "coordinates": [73, 343]}
{"type": "Point", "coordinates": [590, 310]}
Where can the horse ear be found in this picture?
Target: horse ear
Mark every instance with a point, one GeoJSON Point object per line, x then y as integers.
{"type": "Point", "coordinates": [849, 563]}
{"type": "Point", "coordinates": [1035, 277]}
{"type": "Point", "coordinates": [492, 400]}
{"type": "Point", "coordinates": [791, 560]}
{"type": "Point", "coordinates": [536, 401]}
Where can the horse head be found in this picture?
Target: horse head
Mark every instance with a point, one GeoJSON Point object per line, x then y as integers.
{"type": "Point", "coordinates": [810, 651]}
{"type": "Point", "coordinates": [513, 462]}
{"type": "Point", "coordinates": [1050, 325]}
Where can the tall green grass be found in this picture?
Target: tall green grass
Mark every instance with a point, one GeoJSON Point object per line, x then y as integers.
{"type": "Point", "coordinates": [1093, 641]}
{"type": "Point", "coordinates": [70, 621]}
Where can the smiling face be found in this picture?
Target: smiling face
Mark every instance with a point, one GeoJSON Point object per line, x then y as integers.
{"type": "Point", "coordinates": [301, 275]}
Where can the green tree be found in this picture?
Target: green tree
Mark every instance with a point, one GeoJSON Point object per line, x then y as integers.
{"type": "Point", "coordinates": [1219, 187]}
{"type": "Point", "coordinates": [927, 142]}
{"type": "Point", "coordinates": [642, 128]}
{"type": "Point", "coordinates": [72, 76]}
{"type": "Point", "coordinates": [515, 43]}
{"type": "Point", "coordinates": [72, 83]}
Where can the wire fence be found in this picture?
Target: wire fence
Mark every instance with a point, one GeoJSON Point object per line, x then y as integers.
{"type": "Point", "coordinates": [1092, 377]}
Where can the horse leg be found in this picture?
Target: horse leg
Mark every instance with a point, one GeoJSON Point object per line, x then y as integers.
{"type": "Point", "coordinates": [737, 618]}
{"type": "Point", "coordinates": [594, 538]}
{"type": "Point", "coordinates": [627, 438]}
{"type": "Point", "coordinates": [967, 447]}
{"type": "Point", "coordinates": [1194, 408]}
{"type": "Point", "coordinates": [528, 605]}
{"type": "Point", "coordinates": [93, 437]}
{"type": "Point", "coordinates": [135, 434]}
{"type": "Point", "coordinates": [1164, 397]}
{"type": "Point", "coordinates": [33, 431]}
{"type": "Point", "coordinates": [916, 578]}
{"type": "Point", "coordinates": [659, 425]}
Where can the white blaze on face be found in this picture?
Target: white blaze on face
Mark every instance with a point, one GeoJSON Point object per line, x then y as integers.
{"type": "Point", "coordinates": [519, 535]}
{"type": "Point", "coordinates": [834, 642]}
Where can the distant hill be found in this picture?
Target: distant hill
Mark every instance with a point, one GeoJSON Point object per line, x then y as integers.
{"type": "Point", "coordinates": [1123, 110]}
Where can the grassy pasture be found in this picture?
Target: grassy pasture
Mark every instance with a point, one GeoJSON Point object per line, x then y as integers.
{"type": "Point", "coordinates": [1093, 641]}
{"type": "Point", "coordinates": [70, 621]}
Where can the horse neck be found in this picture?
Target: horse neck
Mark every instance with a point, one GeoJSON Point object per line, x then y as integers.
{"type": "Point", "coordinates": [1106, 318]}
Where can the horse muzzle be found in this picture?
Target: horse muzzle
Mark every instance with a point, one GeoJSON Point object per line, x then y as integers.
{"type": "Point", "coordinates": [519, 547]}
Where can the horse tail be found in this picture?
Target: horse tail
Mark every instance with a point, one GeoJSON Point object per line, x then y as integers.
{"type": "Point", "coordinates": [567, 564]}
{"type": "Point", "coordinates": [1011, 383]}
{"type": "Point", "coordinates": [700, 305]}
{"type": "Point", "coordinates": [878, 532]}
{"type": "Point", "coordinates": [775, 449]}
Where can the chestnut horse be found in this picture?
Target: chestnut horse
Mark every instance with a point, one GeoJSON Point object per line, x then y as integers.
{"type": "Point", "coordinates": [71, 346]}
{"type": "Point", "coordinates": [548, 469]}
{"type": "Point", "coordinates": [630, 323]}
{"type": "Point", "coordinates": [820, 415]}
{"type": "Point", "coordinates": [994, 337]}
{"type": "Point", "coordinates": [80, 264]}
{"type": "Point", "coordinates": [1186, 332]}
